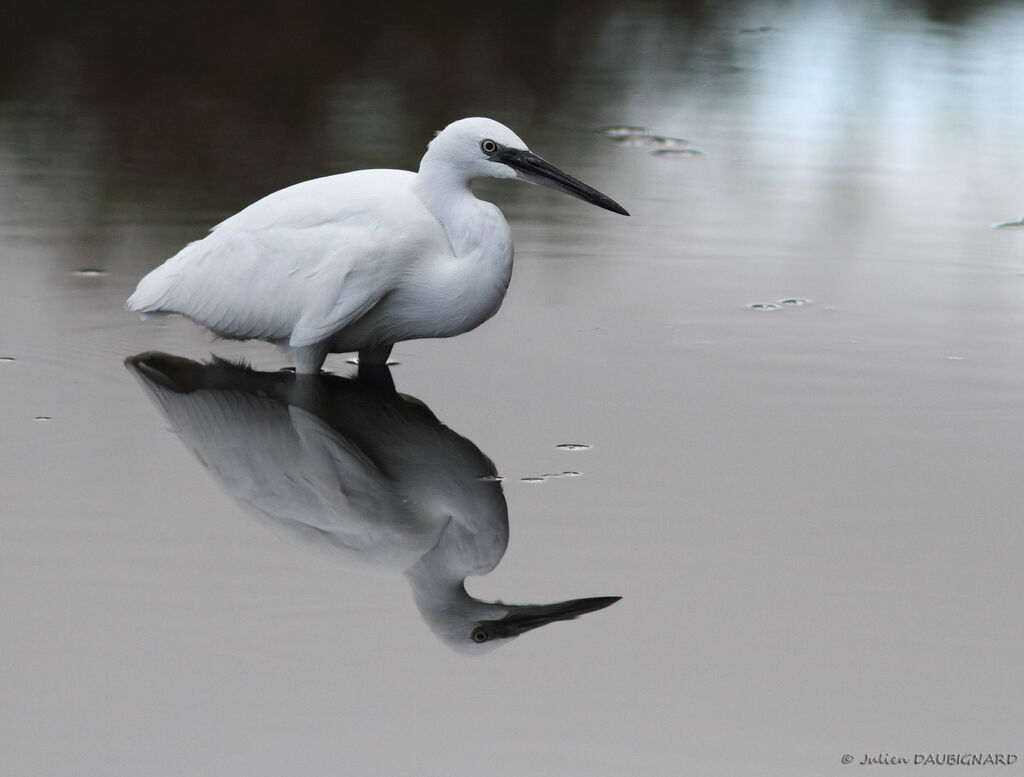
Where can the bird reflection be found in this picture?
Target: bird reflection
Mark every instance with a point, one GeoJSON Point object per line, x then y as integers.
{"type": "Point", "coordinates": [360, 474]}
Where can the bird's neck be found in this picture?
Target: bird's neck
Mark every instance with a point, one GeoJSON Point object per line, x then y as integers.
{"type": "Point", "coordinates": [435, 586]}
{"type": "Point", "coordinates": [446, 192]}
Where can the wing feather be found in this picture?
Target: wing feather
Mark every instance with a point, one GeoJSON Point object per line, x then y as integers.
{"type": "Point", "coordinates": [298, 265]}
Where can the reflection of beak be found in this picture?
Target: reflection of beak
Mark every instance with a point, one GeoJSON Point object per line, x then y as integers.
{"type": "Point", "coordinates": [529, 616]}
{"type": "Point", "coordinates": [532, 168]}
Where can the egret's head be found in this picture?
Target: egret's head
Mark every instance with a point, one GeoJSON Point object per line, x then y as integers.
{"type": "Point", "coordinates": [508, 621]}
{"type": "Point", "coordinates": [472, 627]}
{"type": "Point", "coordinates": [483, 148]}
{"type": "Point", "coordinates": [470, 145]}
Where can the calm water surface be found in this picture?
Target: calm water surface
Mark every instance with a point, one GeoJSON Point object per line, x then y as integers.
{"type": "Point", "coordinates": [811, 509]}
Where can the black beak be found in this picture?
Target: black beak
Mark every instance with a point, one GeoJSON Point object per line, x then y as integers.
{"type": "Point", "coordinates": [536, 170]}
{"type": "Point", "coordinates": [531, 616]}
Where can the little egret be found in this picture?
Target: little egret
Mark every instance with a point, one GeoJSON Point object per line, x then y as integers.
{"type": "Point", "coordinates": [361, 475]}
{"type": "Point", "coordinates": [362, 260]}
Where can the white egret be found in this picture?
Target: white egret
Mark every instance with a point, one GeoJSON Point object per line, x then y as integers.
{"type": "Point", "coordinates": [360, 475]}
{"type": "Point", "coordinates": [362, 260]}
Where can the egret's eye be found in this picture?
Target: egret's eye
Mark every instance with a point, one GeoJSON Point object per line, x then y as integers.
{"type": "Point", "coordinates": [488, 146]}
{"type": "Point", "coordinates": [481, 635]}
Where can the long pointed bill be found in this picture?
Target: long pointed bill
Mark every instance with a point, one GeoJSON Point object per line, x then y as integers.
{"type": "Point", "coordinates": [531, 616]}
{"type": "Point", "coordinates": [532, 168]}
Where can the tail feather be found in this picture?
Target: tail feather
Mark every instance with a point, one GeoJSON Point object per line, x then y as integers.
{"type": "Point", "coordinates": [150, 295]}
{"type": "Point", "coordinates": [157, 291]}
{"type": "Point", "coordinates": [164, 289]}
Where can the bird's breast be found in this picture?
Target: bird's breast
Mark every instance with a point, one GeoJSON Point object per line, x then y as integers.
{"type": "Point", "coordinates": [458, 290]}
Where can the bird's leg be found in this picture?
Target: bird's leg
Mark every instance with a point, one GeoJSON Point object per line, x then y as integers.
{"type": "Point", "coordinates": [373, 367]}
{"type": "Point", "coordinates": [308, 392]}
{"type": "Point", "coordinates": [309, 358]}
{"type": "Point", "coordinates": [375, 357]}
{"type": "Point", "coordinates": [378, 376]}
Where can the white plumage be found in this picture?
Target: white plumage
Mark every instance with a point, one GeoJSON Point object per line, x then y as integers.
{"type": "Point", "coordinates": [362, 260]}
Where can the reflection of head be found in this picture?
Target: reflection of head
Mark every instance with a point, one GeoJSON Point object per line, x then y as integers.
{"type": "Point", "coordinates": [473, 627]}
{"type": "Point", "coordinates": [359, 474]}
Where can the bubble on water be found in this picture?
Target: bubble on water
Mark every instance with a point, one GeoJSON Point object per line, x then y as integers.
{"type": "Point", "coordinates": [355, 360]}
{"type": "Point", "coordinates": [794, 302]}
{"type": "Point", "coordinates": [639, 137]}
{"type": "Point", "coordinates": [572, 446]}
{"type": "Point", "coordinates": [532, 480]}
{"type": "Point", "coordinates": [622, 131]}
{"type": "Point", "coordinates": [677, 153]}
{"type": "Point", "coordinates": [7, 359]}
{"type": "Point", "coordinates": [955, 358]}
{"type": "Point", "coordinates": [89, 272]}
{"type": "Point", "coordinates": [551, 475]}
{"type": "Point", "coordinates": [630, 141]}
{"type": "Point", "coordinates": [1006, 224]}
{"type": "Point", "coordinates": [43, 418]}
{"type": "Point", "coordinates": [762, 306]}
{"type": "Point", "coordinates": [660, 141]}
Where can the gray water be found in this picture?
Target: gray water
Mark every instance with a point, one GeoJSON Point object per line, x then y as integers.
{"type": "Point", "coordinates": [811, 509]}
